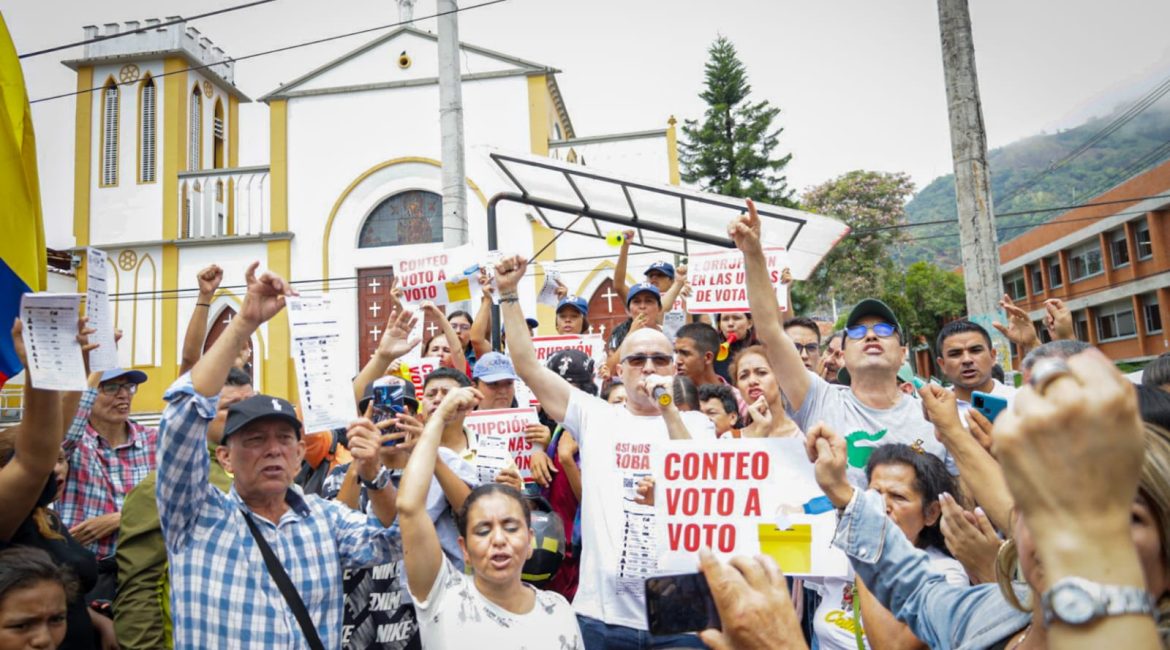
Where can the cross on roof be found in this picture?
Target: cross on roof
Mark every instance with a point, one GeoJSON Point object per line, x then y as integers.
{"type": "Point", "coordinates": [374, 284]}
{"type": "Point", "coordinates": [375, 308]}
{"type": "Point", "coordinates": [609, 295]}
{"type": "Point", "coordinates": [227, 318]}
{"type": "Point", "coordinates": [375, 332]}
{"type": "Point", "coordinates": [432, 328]}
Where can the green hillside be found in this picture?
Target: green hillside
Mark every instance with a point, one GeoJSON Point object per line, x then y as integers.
{"type": "Point", "coordinates": [1141, 143]}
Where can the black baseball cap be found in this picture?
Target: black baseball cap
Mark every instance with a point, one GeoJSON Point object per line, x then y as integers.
{"type": "Point", "coordinates": [873, 307]}
{"type": "Point", "coordinates": [574, 366]}
{"type": "Point", "coordinates": [258, 407]}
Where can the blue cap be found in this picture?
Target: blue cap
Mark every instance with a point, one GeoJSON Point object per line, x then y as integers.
{"type": "Point", "coordinates": [576, 303]}
{"type": "Point", "coordinates": [493, 366]}
{"type": "Point", "coordinates": [531, 322]}
{"type": "Point", "coordinates": [136, 376]}
{"type": "Point", "coordinates": [665, 268]}
{"type": "Point", "coordinates": [643, 287]}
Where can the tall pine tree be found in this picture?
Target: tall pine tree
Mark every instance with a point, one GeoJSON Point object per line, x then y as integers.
{"type": "Point", "coordinates": [731, 151]}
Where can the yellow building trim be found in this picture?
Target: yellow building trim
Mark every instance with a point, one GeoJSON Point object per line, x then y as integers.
{"type": "Point", "coordinates": [602, 267]}
{"type": "Point", "coordinates": [82, 155]}
{"type": "Point", "coordinates": [672, 151]}
{"type": "Point", "coordinates": [110, 83]}
{"type": "Point", "coordinates": [546, 314]}
{"type": "Point", "coordinates": [174, 138]}
{"type": "Point", "coordinates": [539, 104]}
{"type": "Point", "coordinates": [233, 159]}
{"type": "Point", "coordinates": [138, 133]}
{"type": "Point", "coordinates": [279, 377]}
{"type": "Point", "coordinates": [278, 163]}
{"type": "Point", "coordinates": [358, 181]}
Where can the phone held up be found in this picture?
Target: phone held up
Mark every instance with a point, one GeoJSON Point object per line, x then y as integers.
{"type": "Point", "coordinates": [389, 401]}
{"type": "Point", "coordinates": [989, 405]}
{"type": "Point", "coordinates": [676, 604]}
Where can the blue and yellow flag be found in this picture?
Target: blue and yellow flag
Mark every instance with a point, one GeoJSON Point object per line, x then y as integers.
{"type": "Point", "coordinates": [22, 234]}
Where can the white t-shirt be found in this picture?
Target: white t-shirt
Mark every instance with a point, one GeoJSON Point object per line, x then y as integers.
{"type": "Point", "coordinates": [833, 622]}
{"type": "Point", "coordinates": [456, 615]}
{"type": "Point", "coordinates": [998, 388]}
{"type": "Point", "coordinates": [619, 540]}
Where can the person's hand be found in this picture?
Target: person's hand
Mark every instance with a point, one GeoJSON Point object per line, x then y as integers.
{"type": "Point", "coordinates": [829, 454]}
{"type": "Point", "coordinates": [104, 626]}
{"type": "Point", "coordinates": [83, 334]}
{"type": "Point", "coordinates": [562, 290]}
{"type": "Point", "coordinates": [761, 419]}
{"type": "Point", "coordinates": [209, 279]}
{"type": "Point", "coordinates": [542, 468]}
{"type": "Point", "coordinates": [941, 408]}
{"type": "Point", "coordinates": [409, 429]}
{"type": "Point", "coordinates": [786, 276]}
{"type": "Point", "coordinates": [627, 238]}
{"type": "Point", "coordinates": [980, 428]}
{"type": "Point", "coordinates": [1058, 320]}
{"type": "Point", "coordinates": [509, 271]}
{"type": "Point", "coordinates": [971, 538]}
{"type": "Point", "coordinates": [754, 605]}
{"type": "Point", "coordinates": [744, 230]}
{"type": "Point", "coordinates": [396, 341]}
{"type": "Point", "coordinates": [537, 434]}
{"type": "Point", "coordinates": [648, 383]}
{"type": "Point", "coordinates": [96, 528]}
{"type": "Point", "coordinates": [18, 341]}
{"type": "Point", "coordinates": [645, 490]}
{"type": "Point", "coordinates": [511, 476]}
{"type": "Point", "coordinates": [1072, 449]}
{"type": "Point", "coordinates": [458, 403]}
{"type": "Point", "coordinates": [431, 309]}
{"type": "Point", "coordinates": [395, 291]}
{"type": "Point", "coordinates": [1019, 329]}
{"type": "Point", "coordinates": [567, 448]}
{"type": "Point", "coordinates": [364, 441]}
{"type": "Point", "coordinates": [638, 323]}
{"type": "Point", "coordinates": [264, 298]}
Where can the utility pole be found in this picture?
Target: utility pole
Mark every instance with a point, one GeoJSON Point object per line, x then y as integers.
{"type": "Point", "coordinates": [451, 127]}
{"type": "Point", "coordinates": [977, 238]}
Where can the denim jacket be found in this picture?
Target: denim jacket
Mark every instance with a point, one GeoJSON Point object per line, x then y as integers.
{"type": "Point", "coordinates": [942, 615]}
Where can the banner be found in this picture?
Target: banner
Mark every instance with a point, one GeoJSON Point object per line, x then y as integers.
{"type": "Point", "coordinates": [500, 441]}
{"type": "Point", "coordinates": [416, 371]}
{"type": "Point", "coordinates": [591, 344]}
{"type": "Point", "coordinates": [719, 285]}
{"type": "Point", "coordinates": [326, 398]}
{"type": "Point", "coordinates": [743, 497]}
{"type": "Point", "coordinates": [430, 278]}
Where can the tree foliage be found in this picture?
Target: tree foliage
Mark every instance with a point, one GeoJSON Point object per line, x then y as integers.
{"type": "Point", "coordinates": [924, 297]}
{"type": "Point", "coordinates": [732, 151]}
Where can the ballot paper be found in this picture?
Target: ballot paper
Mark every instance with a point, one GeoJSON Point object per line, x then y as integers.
{"type": "Point", "coordinates": [326, 394]}
{"type": "Point", "coordinates": [97, 310]}
{"type": "Point", "coordinates": [50, 340]}
{"type": "Point", "coordinates": [548, 291]}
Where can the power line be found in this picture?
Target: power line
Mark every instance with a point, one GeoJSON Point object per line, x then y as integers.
{"type": "Point", "coordinates": [274, 51]}
{"type": "Point", "coordinates": [141, 30]}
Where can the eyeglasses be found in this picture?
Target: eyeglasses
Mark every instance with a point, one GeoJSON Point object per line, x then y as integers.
{"type": "Point", "coordinates": [810, 348]}
{"type": "Point", "coordinates": [461, 327]}
{"type": "Point", "coordinates": [639, 360]}
{"type": "Point", "coordinates": [114, 389]}
{"type": "Point", "coordinates": [858, 332]}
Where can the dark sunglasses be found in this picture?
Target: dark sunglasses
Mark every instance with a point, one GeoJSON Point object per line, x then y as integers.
{"type": "Point", "coordinates": [639, 360]}
{"type": "Point", "coordinates": [810, 348]}
{"type": "Point", "coordinates": [883, 330]}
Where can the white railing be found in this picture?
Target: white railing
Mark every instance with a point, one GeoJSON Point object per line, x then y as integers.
{"type": "Point", "coordinates": [218, 202]}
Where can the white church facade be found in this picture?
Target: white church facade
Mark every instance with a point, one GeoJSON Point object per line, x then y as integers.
{"type": "Point", "coordinates": [352, 185]}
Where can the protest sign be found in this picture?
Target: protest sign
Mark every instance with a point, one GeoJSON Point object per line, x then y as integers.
{"type": "Point", "coordinates": [499, 435]}
{"type": "Point", "coordinates": [433, 278]}
{"type": "Point", "coordinates": [416, 371]}
{"type": "Point", "coordinates": [97, 311]}
{"type": "Point", "coordinates": [743, 498]}
{"type": "Point", "coordinates": [591, 344]}
{"type": "Point", "coordinates": [719, 284]}
{"type": "Point", "coordinates": [50, 340]}
{"type": "Point", "coordinates": [524, 394]}
{"type": "Point", "coordinates": [326, 396]}
{"type": "Point", "coordinates": [672, 322]}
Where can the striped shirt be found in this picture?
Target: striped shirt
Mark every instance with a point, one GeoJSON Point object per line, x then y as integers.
{"type": "Point", "coordinates": [222, 595]}
{"type": "Point", "coordinates": [101, 475]}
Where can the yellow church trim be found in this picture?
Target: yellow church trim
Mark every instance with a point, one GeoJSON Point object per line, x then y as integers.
{"type": "Point", "coordinates": [672, 151]}
{"type": "Point", "coordinates": [278, 164]}
{"type": "Point", "coordinates": [278, 369]}
{"type": "Point", "coordinates": [82, 155]}
{"type": "Point", "coordinates": [538, 111]}
{"type": "Point", "coordinates": [358, 181]}
{"type": "Point", "coordinates": [233, 159]}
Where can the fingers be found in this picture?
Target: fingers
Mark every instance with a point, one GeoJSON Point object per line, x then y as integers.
{"type": "Point", "coordinates": [250, 272]}
{"type": "Point", "coordinates": [753, 215]}
{"type": "Point", "coordinates": [984, 524]}
{"type": "Point", "coordinates": [715, 640]}
{"type": "Point", "coordinates": [751, 571]}
{"type": "Point", "coordinates": [772, 571]}
{"type": "Point", "coordinates": [369, 410]}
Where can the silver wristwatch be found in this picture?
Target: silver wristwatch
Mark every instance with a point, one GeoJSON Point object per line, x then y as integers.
{"type": "Point", "coordinates": [380, 481]}
{"type": "Point", "coordinates": [1077, 601]}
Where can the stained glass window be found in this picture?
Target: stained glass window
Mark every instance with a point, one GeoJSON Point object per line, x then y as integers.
{"type": "Point", "coordinates": [411, 217]}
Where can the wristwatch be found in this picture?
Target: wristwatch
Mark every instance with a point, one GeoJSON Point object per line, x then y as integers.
{"type": "Point", "coordinates": [380, 481]}
{"type": "Point", "coordinates": [1077, 601]}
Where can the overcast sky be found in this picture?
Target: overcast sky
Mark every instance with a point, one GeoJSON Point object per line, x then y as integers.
{"type": "Point", "coordinates": [859, 82]}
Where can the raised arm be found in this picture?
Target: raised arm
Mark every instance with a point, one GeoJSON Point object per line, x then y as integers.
{"type": "Point", "coordinates": [766, 315]}
{"type": "Point", "coordinates": [480, 334]}
{"type": "Point", "coordinates": [619, 269]}
{"type": "Point", "coordinates": [365, 443]}
{"type": "Point", "coordinates": [549, 387]}
{"type": "Point", "coordinates": [420, 542]}
{"type": "Point", "coordinates": [393, 344]}
{"type": "Point", "coordinates": [676, 288]}
{"type": "Point", "coordinates": [1058, 320]}
{"type": "Point", "coordinates": [1019, 329]}
{"type": "Point", "coordinates": [38, 441]}
{"type": "Point", "coordinates": [458, 359]}
{"type": "Point", "coordinates": [209, 279]}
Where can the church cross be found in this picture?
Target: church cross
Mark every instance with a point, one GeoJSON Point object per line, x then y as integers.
{"type": "Point", "coordinates": [432, 328]}
{"type": "Point", "coordinates": [603, 330]}
{"type": "Point", "coordinates": [375, 332]}
{"type": "Point", "coordinates": [227, 319]}
{"type": "Point", "coordinates": [609, 295]}
{"type": "Point", "coordinates": [375, 308]}
{"type": "Point", "coordinates": [374, 284]}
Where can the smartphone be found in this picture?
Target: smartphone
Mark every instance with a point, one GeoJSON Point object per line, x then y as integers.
{"type": "Point", "coordinates": [388, 402]}
{"type": "Point", "coordinates": [989, 405]}
{"type": "Point", "coordinates": [680, 603]}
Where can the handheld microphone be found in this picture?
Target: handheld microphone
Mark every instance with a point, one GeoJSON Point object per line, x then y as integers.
{"type": "Point", "coordinates": [662, 395]}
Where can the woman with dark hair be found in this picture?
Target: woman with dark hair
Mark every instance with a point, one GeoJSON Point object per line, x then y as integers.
{"type": "Point", "coordinates": [491, 605]}
{"type": "Point", "coordinates": [33, 595]}
{"type": "Point", "coordinates": [752, 376]}
{"type": "Point", "coordinates": [462, 323]}
{"type": "Point", "coordinates": [736, 327]}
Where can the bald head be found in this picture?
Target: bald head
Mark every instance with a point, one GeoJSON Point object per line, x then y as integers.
{"type": "Point", "coordinates": [645, 340]}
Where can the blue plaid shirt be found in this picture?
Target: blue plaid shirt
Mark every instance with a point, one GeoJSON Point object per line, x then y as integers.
{"type": "Point", "coordinates": [222, 595]}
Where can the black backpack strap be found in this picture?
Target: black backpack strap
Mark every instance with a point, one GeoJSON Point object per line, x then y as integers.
{"type": "Point", "coordinates": [291, 596]}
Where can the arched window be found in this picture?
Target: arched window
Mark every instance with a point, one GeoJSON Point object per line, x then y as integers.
{"type": "Point", "coordinates": [196, 134]}
{"type": "Point", "coordinates": [217, 149]}
{"type": "Point", "coordinates": [111, 106]}
{"type": "Point", "coordinates": [411, 217]}
{"type": "Point", "coordinates": [147, 131]}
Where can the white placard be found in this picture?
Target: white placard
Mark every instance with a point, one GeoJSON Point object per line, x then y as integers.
{"type": "Point", "coordinates": [719, 284]}
{"type": "Point", "coordinates": [500, 441]}
{"type": "Point", "coordinates": [97, 310]}
{"type": "Point", "coordinates": [591, 344]}
{"type": "Point", "coordinates": [50, 340]}
{"type": "Point", "coordinates": [326, 394]}
{"type": "Point", "coordinates": [672, 322]}
{"type": "Point", "coordinates": [548, 291]}
{"type": "Point", "coordinates": [415, 372]}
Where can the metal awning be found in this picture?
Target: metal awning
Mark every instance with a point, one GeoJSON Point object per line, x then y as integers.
{"type": "Point", "coordinates": [574, 199]}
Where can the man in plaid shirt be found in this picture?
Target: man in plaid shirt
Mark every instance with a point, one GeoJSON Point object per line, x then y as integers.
{"type": "Point", "coordinates": [222, 594]}
{"type": "Point", "coordinates": [108, 455]}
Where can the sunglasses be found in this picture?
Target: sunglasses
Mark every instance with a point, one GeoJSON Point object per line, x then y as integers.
{"type": "Point", "coordinates": [858, 332]}
{"type": "Point", "coordinates": [810, 348]}
{"type": "Point", "coordinates": [639, 360]}
{"type": "Point", "coordinates": [114, 389]}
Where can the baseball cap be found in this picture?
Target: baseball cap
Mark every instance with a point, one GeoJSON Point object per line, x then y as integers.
{"type": "Point", "coordinates": [135, 376]}
{"type": "Point", "coordinates": [643, 287]}
{"type": "Point", "coordinates": [574, 366]}
{"type": "Point", "coordinates": [665, 268]}
{"type": "Point", "coordinates": [576, 303]}
{"type": "Point", "coordinates": [493, 366]}
{"type": "Point", "coordinates": [873, 307]}
{"type": "Point", "coordinates": [258, 407]}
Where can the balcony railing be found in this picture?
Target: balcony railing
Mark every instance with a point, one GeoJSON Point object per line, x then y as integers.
{"type": "Point", "coordinates": [219, 202]}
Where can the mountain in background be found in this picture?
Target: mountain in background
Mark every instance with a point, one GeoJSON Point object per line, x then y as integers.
{"type": "Point", "coordinates": [1139, 144]}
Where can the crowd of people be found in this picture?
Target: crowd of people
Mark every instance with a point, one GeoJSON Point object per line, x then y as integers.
{"type": "Point", "coordinates": [230, 526]}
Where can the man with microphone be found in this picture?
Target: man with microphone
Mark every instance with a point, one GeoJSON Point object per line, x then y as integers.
{"type": "Point", "coordinates": [618, 534]}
